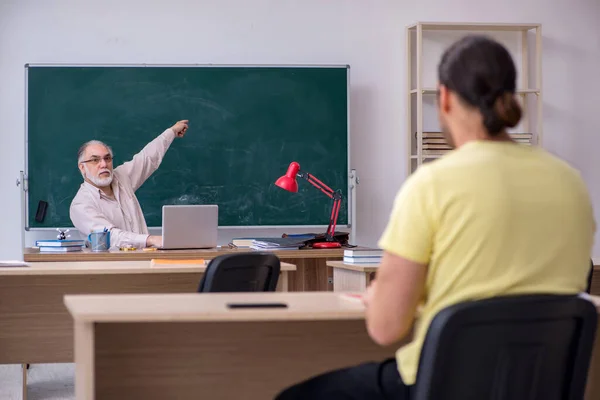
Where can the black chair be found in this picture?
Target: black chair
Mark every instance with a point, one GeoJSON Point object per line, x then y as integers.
{"type": "Point", "coordinates": [243, 272]}
{"type": "Point", "coordinates": [530, 347]}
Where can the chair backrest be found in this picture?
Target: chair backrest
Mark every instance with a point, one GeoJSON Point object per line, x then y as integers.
{"type": "Point", "coordinates": [241, 272]}
{"type": "Point", "coordinates": [529, 347]}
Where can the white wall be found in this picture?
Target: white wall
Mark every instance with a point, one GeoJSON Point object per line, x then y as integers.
{"type": "Point", "coordinates": [368, 35]}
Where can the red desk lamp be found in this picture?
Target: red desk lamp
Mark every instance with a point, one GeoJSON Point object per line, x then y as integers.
{"type": "Point", "coordinates": [289, 183]}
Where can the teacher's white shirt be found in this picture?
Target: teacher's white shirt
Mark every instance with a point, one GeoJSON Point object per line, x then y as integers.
{"type": "Point", "coordinates": [92, 210]}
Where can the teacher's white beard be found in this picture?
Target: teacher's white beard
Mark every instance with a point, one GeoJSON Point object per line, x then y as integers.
{"type": "Point", "coordinates": [100, 182]}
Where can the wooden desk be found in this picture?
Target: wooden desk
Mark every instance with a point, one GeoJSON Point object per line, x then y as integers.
{"type": "Point", "coordinates": [312, 273]}
{"type": "Point", "coordinates": [181, 346]}
{"type": "Point", "coordinates": [595, 290]}
{"type": "Point", "coordinates": [35, 326]}
{"type": "Point", "coordinates": [352, 277]}
{"type": "Point", "coordinates": [356, 278]}
{"type": "Point", "coordinates": [189, 347]}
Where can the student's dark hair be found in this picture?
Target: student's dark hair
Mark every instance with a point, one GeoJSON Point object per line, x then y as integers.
{"type": "Point", "coordinates": [482, 72]}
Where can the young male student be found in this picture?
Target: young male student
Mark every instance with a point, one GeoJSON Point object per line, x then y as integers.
{"type": "Point", "coordinates": [491, 218]}
{"type": "Point", "coordinates": [106, 198]}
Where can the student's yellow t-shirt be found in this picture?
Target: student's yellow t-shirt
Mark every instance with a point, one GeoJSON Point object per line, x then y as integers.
{"type": "Point", "coordinates": [490, 218]}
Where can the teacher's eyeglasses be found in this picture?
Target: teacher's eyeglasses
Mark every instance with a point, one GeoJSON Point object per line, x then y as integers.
{"type": "Point", "coordinates": [96, 160]}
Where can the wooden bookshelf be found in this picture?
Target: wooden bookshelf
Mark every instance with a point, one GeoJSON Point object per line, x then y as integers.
{"type": "Point", "coordinates": [417, 154]}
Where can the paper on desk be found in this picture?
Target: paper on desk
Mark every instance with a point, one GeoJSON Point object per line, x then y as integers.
{"type": "Point", "coordinates": [352, 297]}
{"type": "Point", "coordinates": [13, 263]}
{"type": "Point", "coordinates": [157, 262]}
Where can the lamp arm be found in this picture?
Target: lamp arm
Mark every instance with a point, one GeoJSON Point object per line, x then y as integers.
{"type": "Point", "coordinates": [335, 210]}
{"type": "Point", "coordinates": [337, 202]}
{"type": "Point", "coordinates": [317, 183]}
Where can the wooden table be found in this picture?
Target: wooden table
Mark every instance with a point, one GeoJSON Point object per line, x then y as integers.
{"type": "Point", "coordinates": [312, 273]}
{"type": "Point", "coordinates": [352, 277]}
{"type": "Point", "coordinates": [184, 346]}
{"type": "Point", "coordinates": [189, 347]}
{"type": "Point", "coordinates": [595, 290]}
{"type": "Point", "coordinates": [356, 278]}
{"type": "Point", "coordinates": [35, 326]}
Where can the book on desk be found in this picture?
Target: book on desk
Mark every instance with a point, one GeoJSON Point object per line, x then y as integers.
{"type": "Point", "coordinates": [363, 256]}
{"type": "Point", "coordinates": [59, 246]}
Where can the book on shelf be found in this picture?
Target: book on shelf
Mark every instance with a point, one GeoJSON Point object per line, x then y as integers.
{"type": "Point", "coordinates": [436, 147]}
{"type": "Point", "coordinates": [435, 152]}
{"type": "Point", "coordinates": [524, 142]}
{"type": "Point", "coordinates": [527, 136]}
{"type": "Point", "coordinates": [434, 141]}
{"type": "Point", "coordinates": [431, 135]}
{"type": "Point", "coordinates": [439, 136]}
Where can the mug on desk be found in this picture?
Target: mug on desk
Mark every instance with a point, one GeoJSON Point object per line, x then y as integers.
{"type": "Point", "coordinates": [99, 240]}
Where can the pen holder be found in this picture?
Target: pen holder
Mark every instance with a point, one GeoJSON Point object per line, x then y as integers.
{"type": "Point", "coordinates": [99, 241]}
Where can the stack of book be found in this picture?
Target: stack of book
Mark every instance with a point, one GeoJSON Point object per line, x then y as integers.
{"type": "Point", "coordinates": [59, 246]}
{"type": "Point", "coordinates": [434, 143]}
{"type": "Point", "coordinates": [522, 138]}
{"type": "Point", "coordinates": [362, 256]}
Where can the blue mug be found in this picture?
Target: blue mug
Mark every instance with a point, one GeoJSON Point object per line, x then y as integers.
{"type": "Point", "coordinates": [99, 240]}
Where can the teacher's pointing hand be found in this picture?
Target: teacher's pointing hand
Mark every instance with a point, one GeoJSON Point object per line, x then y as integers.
{"type": "Point", "coordinates": [180, 127]}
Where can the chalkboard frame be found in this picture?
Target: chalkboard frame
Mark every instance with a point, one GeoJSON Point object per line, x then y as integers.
{"type": "Point", "coordinates": [352, 179]}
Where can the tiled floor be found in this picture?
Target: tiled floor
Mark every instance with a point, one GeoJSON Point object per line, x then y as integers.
{"type": "Point", "coordinates": [44, 382]}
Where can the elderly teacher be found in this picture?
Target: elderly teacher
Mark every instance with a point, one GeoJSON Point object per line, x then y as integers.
{"type": "Point", "coordinates": [106, 198]}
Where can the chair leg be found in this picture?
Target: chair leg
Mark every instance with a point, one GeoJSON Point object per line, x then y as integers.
{"type": "Point", "coordinates": [24, 368]}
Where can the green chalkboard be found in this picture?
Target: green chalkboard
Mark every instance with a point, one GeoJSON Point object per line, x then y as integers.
{"type": "Point", "coordinates": [247, 123]}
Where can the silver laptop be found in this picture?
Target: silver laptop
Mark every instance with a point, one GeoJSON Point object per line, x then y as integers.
{"type": "Point", "coordinates": [189, 226]}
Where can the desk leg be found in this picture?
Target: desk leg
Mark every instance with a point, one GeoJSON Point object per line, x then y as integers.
{"type": "Point", "coordinates": [346, 280]}
{"type": "Point", "coordinates": [24, 369]}
{"type": "Point", "coordinates": [282, 283]}
{"type": "Point", "coordinates": [84, 361]}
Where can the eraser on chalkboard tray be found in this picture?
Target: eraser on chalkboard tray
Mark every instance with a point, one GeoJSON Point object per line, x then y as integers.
{"type": "Point", "coordinates": [41, 211]}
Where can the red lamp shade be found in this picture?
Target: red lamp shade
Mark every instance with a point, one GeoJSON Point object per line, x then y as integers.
{"type": "Point", "coordinates": [288, 181]}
